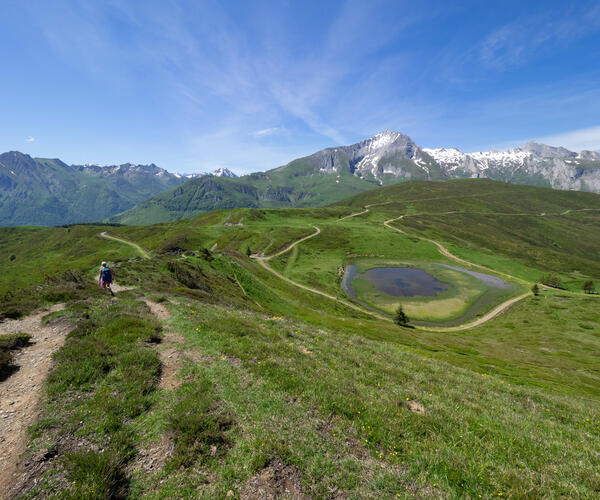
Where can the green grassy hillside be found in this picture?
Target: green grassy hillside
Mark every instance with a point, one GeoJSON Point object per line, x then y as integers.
{"type": "Point", "coordinates": [271, 380]}
{"type": "Point", "coordinates": [538, 228]}
{"type": "Point", "coordinates": [298, 184]}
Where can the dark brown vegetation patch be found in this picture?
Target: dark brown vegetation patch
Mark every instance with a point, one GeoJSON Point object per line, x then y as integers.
{"type": "Point", "coordinates": [276, 480]}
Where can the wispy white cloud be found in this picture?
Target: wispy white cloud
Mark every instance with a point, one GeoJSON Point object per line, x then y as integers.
{"type": "Point", "coordinates": [516, 42]}
{"type": "Point", "coordinates": [30, 139]}
{"type": "Point", "coordinates": [575, 140]}
{"type": "Point", "coordinates": [265, 132]}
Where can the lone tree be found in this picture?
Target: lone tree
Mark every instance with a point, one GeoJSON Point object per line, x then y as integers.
{"type": "Point", "coordinates": [588, 287]}
{"type": "Point", "coordinates": [248, 251]}
{"type": "Point", "coordinates": [400, 318]}
{"type": "Point", "coordinates": [535, 289]}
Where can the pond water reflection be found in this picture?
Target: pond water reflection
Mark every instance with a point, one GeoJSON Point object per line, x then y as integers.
{"type": "Point", "coordinates": [396, 281]}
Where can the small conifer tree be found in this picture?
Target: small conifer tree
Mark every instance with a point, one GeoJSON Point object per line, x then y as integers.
{"type": "Point", "coordinates": [400, 318]}
{"type": "Point", "coordinates": [535, 289]}
{"type": "Point", "coordinates": [588, 287]}
{"type": "Point", "coordinates": [248, 251]}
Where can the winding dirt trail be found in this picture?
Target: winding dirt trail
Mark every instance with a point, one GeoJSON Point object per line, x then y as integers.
{"type": "Point", "coordinates": [20, 392]}
{"type": "Point", "coordinates": [485, 318]}
{"type": "Point", "coordinates": [137, 248]}
{"type": "Point", "coordinates": [262, 260]}
{"type": "Point", "coordinates": [447, 253]}
{"type": "Point", "coordinates": [367, 207]}
{"type": "Point", "coordinates": [288, 248]}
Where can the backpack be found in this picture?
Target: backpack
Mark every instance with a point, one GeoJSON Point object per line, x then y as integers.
{"type": "Point", "coordinates": [106, 275]}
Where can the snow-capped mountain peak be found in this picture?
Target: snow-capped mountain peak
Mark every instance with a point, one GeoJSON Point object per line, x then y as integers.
{"type": "Point", "coordinates": [532, 163]}
{"type": "Point", "coordinates": [446, 155]}
{"type": "Point", "coordinates": [223, 172]}
{"type": "Point", "coordinates": [382, 140]}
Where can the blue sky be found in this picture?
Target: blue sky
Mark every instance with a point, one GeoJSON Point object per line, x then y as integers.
{"type": "Point", "coordinates": [192, 86]}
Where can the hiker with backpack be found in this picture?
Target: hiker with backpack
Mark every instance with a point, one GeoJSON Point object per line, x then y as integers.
{"type": "Point", "coordinates": [106, 277]}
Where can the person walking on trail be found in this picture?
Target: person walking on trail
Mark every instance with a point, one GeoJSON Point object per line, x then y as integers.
{"type": "Point", "coordinates": [106, 277]}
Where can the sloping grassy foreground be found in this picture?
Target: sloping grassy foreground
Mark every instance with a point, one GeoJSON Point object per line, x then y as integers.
{"type": "Point", "coordinates": [339, 408]}
{"type": "Point", "coordinates": [355, 417]}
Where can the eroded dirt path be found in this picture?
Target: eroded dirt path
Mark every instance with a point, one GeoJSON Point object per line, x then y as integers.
{"type": "Point", "coordinates": [288, 248]}
{"type": "Point", "coordinates": [171, 355]}
{"type": "Point", "coordinates": [20, 393]}
{"type": "Point", "coordinates": [135, 246]}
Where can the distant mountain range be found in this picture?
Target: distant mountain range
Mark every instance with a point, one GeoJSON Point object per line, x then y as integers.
{"type": "Point", "coordinates": [219, 172]}
{"type": "Point", "coordinates": [534, 164]}
{"type": "Point", "coordinates": [387, 158]}
{"type": "Point", "coordinates": [50, 192]}
{"type": "Point", "coordinates": [42, 191]}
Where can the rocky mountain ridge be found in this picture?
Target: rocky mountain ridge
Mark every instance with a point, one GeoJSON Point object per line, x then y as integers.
{"type": "Point", "coordinates": [533, 163]}
{"type": "Point", "coordinates": [391, 157]}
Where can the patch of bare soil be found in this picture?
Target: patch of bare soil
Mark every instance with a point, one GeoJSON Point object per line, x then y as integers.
{"type": "Point", "coordinates": [120, 288]}
{"type": "Point", "coordinates": [276, 481]}
{"type": "Point", "coordinates": [20, 392]}
{"type": "Point", "coordinates": [171, 355]}
{"type": "Point", "coordinates": [416, 407]}
{"type": "Point", "coordinates": [154, 457]}
{"type": "Point", "coordinates": [159, 310]}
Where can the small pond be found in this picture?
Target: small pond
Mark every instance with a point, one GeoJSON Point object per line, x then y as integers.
{"type": "Point", "coordinates": [411, 282]}
{"type": "Point", "coordinates": [396, 281]}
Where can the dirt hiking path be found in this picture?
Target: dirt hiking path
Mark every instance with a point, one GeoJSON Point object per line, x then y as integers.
{"type": "Point", "coordinates": [262, 260]}
{"type": "Point", "coordinates": [170, 355]}
{"type": "Point", "coordinates": [135, 246]}
{"type": "Point", "coordinates": [20, 392]}
{"type": "Point", "coordinates": [288, 248]}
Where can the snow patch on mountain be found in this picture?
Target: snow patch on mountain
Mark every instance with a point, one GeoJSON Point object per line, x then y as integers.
{"type": "Point", "coordinates": [224, 172]}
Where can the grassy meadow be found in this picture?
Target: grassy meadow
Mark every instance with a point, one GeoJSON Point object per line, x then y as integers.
{"type": "Point", "coordinates": [268, 373]}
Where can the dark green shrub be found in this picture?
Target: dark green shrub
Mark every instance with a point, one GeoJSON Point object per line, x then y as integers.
{"type": "Point", "coordinates": [14, 341]}
{"type": "Point", "coordinates": [588, 287]}
{"type": "Point", "coordinates": [96, 474]}
{"type": "Point", "coordinates": [9, 343]}
{"type": "Point", "coordinates": [188, 274]}
{"type": "Point", "coordinates": [6, 364]}
{"type": "Point", "coordinates": [206, 254]}
{"type": "Point", "coordinates": [400, 318]}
